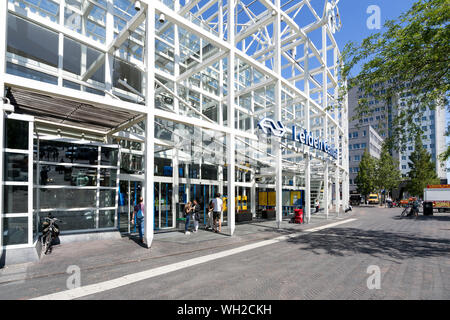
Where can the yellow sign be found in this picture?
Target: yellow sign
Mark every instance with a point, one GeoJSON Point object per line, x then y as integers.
{"type": "Point", "coordinates": [271, 199]}
{"type": "Point", "coordinates": [295, 196]}
{"type": "Point", "coordinates": [262, 198]}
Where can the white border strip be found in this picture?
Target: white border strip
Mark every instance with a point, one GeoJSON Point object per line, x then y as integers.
{"type": "Point", "coordinates": [144, 275]}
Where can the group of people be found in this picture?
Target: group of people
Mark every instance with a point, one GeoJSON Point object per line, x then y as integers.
{"type": "Point", "coordinates": [192, 212]}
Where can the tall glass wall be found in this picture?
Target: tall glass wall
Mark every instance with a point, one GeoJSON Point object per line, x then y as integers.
{"type": "Point", "coordinates": [17, 227]}
{"type": "Point", "coordinates": [77, 183]}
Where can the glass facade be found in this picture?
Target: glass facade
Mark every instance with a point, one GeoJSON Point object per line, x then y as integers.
{"type": "Point", "coordinates": [77, 183]}
{"type": "Point", "coordinates": [17, 182]}
{"type": "Point", "coordinates": [87, 165]}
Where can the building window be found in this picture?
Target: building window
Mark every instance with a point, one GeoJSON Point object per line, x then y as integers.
{"type": "Point", "coordinates": [31, 41]}
{"type": "Point", "coordinates": [82, 176]}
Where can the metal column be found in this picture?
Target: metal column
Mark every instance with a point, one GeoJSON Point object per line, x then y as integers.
{"type": "Point", "coordinates": [3, 28]}
{"type": "Point", "coordinates": [325, 105]}
{"type": "Point", "coordinates": [231, 136]}
{"type": "Point", "coordinates": [308, 127]}
{"type": "Point", "coordinates": [277, 112]}
{"type": "Point", "coordinates": [150, 124]}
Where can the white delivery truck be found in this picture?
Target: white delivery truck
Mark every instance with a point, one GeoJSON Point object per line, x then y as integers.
{"type": "Point", "coordinates": [439, 195]}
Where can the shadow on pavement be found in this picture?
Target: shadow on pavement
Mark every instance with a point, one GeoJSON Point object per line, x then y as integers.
{"type": "Point", "coordinates": [434, 217]}
{"type": "Point", "coordinates": [423, 218]}
{"type": "Point", "coordinates": [348, 241]}
{"type": "Point", "coordinates": [136, 240]}
{"type": "Point", "coordinates": [283, 230]}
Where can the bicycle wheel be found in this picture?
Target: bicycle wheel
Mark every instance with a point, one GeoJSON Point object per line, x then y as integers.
{"type": "Point", "coordinates": [48, 240]}
{"type": "Point", "coordinates": [44, 244]}
{"type": "Point", "coordinates": [404, 212]}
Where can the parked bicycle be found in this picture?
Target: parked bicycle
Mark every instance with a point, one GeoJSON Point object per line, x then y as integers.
{"type": "Point", "coordinates": [50, 231]}
{"type": "Point", "coordinates": [407, 212]}
{"type": "Point", "coordinates": [410, 211]}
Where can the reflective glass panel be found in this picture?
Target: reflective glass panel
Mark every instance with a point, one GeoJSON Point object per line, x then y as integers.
{"type": "Point", "coordinates": [73, 220]}
{"type": "Point", "coordinates": [109, 156]}
{"type": "Point", "coordinates": [107, 198]}
{"type": "Point", "coordinates": [15, 231]}
{"type": "Point", "coordinates": [67, 176]}
{"type": "Point", "coordinates": [15, 199]}
{"type": "Point", "coordinates": [106, 218]}
{"type": "Point", "coordinates": [65, 198]}
{"type": "Point", "coordinates": [16, 134]}
{"type": "Point", "coordinates": [16, 167]}
{"type": "Point", "coordinates": [30, 41]}
{"type": "Point", "coordinates": [108, 177]}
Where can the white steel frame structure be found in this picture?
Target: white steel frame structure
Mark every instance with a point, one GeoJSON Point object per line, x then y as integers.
{"type": "Point", "coordinates": [209, 71]}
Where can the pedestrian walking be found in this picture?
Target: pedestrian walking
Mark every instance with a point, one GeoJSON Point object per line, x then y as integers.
{"type": "Point", "coordinates": [196, 214]}
{"type": "Point", "coordinates": [317, 205]}
{"type": "Point", "coordinates": [217, 211]}
{"type": "Point", "coordinates": [139, 212]}
{"type": "Point", "coordinates": [187, 215]}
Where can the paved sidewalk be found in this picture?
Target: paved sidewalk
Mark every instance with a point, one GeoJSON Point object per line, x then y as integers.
{"type": "Point", "coordinates": [331, 262]}
{"type": "Point", "coordinates": [171, 246]}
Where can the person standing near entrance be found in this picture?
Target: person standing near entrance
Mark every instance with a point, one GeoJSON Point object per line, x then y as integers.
{"type": "Point", "coordinates": [196, 215]}
{"type": "Point", "coordinates": [317, 205]}
{"type": "Point", "coordinates": [140, 214]}
{"type": "Point", "coordinates": [217, 211]}
{"type": "Point", "coordinates": [187, 215]}
{"type": "Point", "coordinates": [209, 225]}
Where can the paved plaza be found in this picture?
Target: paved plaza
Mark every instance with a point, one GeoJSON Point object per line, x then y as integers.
{"type": "Point", "coordinates": [326, 259]}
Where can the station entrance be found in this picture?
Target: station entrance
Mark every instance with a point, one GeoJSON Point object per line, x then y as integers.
{"type": "Point", "coordinates": [129, 192]}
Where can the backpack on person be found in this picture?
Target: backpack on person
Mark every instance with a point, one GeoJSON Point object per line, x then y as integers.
{"type": "Point", "coordinates": [139, 213]}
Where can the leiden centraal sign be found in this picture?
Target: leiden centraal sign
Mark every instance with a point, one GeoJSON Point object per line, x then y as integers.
{"type": "Point", "coordinates": [277, 129]}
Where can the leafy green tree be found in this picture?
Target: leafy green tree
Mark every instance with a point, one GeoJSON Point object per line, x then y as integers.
{"type": "Point", "coordinates": [422, 170]}
{"type": "Point", "coordinates": [388, 175]}
{"type": "Point", "coordinates": [366, 178]}
{"type": "Point", "coordinates": [409, 60]}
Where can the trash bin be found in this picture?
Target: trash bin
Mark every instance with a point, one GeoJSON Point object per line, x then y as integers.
{"type": "Point", "coordinates": [298, 215]}
{"type": "Point", "coordinates": [428, 208]}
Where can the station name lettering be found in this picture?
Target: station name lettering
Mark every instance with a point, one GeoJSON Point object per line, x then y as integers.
{"type": "Point", "coordinates": [307, 138]}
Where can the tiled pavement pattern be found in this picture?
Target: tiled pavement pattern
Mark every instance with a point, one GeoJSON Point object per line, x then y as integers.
{"type": "Point", "coordinates": [413, 256]}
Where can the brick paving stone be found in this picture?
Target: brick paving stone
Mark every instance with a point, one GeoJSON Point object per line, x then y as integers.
{"type": "Point", "coordinates": [413, 256]}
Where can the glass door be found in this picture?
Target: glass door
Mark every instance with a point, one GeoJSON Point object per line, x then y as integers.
{"type": "Point", "coordinates": [135, 194]}
{"type": "Point", "coordinates": [124, 207]}
{"type": "Point", "coordinates": [165, 205]}
{"type": "Point", "coordinates": [129, 194]}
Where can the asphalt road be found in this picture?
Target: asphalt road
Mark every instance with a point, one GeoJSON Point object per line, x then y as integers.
{"type": "Point", "coordinates": [341, 262]}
